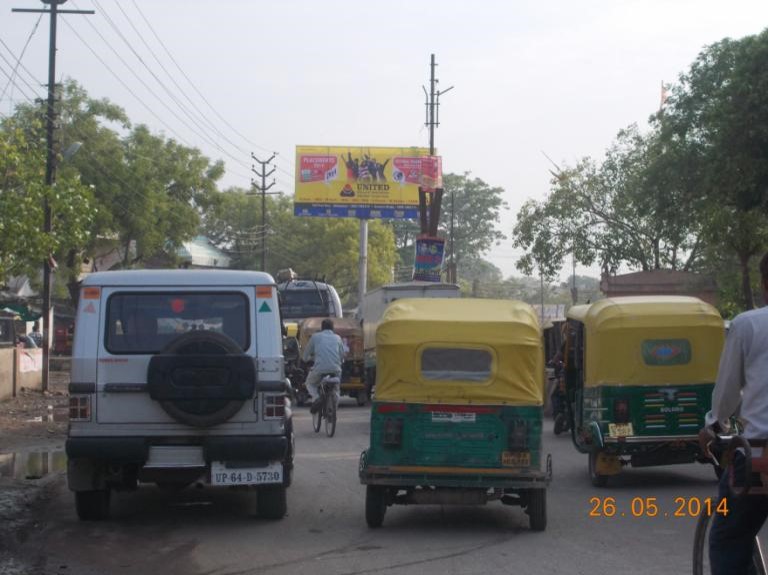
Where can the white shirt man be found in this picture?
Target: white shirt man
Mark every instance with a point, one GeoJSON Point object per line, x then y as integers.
{"type": "Point", "coordinates": [327, 351]}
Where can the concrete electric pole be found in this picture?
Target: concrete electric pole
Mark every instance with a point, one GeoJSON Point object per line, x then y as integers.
{"type": "Point", "coordinates": [50, 168]}
{"type": "Point", "coordinates": [264, 174]}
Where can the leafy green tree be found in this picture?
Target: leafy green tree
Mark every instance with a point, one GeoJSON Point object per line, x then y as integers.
{"type": "Point", "coordinates": [718, 114]}
{"type": "Point", "coordinates": [628, 209]}
{"type": "Point", "coordinates": [23, 245]}
{"type": "Point", "coordinates": [471, 208]}
{"type": "Point", "coordinates": [312, 247]}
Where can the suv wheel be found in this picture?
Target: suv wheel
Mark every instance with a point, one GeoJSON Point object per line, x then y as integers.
{"type": "Point", "coordinates": [272, 502]}
{"type": "Point", "coordinates": [92, 505]}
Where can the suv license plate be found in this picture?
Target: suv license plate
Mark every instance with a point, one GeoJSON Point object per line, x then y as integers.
{"type": "Point", "coordinates": [223, 475]}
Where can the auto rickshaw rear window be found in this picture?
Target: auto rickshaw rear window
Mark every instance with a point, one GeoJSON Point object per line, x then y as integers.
{"type": "Point", "coordinates": [456, 364]}
{"type": "Point", "coordinates": [147, 322]}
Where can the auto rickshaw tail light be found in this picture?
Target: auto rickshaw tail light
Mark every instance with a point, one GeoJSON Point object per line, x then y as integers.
{"type": "Point", "coordinates": [518, 435]}
{"type": "Point", "coordinates": [621, 411]}
{"type": "Point", "coordinates": [393, 432]}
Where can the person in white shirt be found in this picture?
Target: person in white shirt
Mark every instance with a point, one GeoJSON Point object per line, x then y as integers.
{"type": "Point", "coordinates": [741, 387]}
{"type": "Point", "coordinates": [327, 350]}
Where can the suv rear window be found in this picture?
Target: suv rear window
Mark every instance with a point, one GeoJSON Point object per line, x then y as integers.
{"type": "Point", "coordinates": [147, 322]}
{"type": "Point", "coordinates": [298, 303]}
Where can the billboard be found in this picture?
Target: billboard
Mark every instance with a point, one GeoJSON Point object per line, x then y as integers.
{"type": "Point", "coordinates": [361, 182]}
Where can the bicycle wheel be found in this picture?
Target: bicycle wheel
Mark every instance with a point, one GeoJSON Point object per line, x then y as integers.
{"type": "Point", "coordinates": [330, 414]}
{"type": "Point", "coordinates": [701, 564]}
{"type": "Point", "coordinates": [317, 418]}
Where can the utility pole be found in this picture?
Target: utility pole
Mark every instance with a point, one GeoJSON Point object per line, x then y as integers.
{"type": "Point", "coordinates": [50, 169]}
{"type": "Point", "coordinates": [263, 189]}
{"type": "Point", "coordinates": [429, 223]}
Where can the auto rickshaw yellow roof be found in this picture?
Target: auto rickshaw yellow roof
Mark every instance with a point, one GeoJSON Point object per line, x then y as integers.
{"type": "Point", "coordinates": [656, 310]}
{"type": "Point", "coordinates": [623, 332]}
{"type": "Point", "coordinates": [507, 330]}
{"type": "Point", "coordinates": [417, 319]}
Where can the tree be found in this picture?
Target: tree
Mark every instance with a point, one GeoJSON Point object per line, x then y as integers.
{"type": "Point", "coordinates": [473, 206]}
{"type": "Point", "coordinates": [23, 245]}
{"type": "Point", "coordinates": [629, 209]}
{"type": "Point", "coordinates": [312, 247]}
{"type": "Point", "coordinates": [718, 114]}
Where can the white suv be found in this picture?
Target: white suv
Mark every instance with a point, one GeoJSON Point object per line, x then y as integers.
{"type": "Point", "coordinates": [177, 378]}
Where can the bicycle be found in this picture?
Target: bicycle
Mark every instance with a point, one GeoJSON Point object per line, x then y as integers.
{"type": "Point", "coordinates": [327, 391]}
{"type": "Point", "coordinates": [726, 446]}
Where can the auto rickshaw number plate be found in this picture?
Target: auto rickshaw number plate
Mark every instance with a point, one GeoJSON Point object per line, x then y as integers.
{"type": "Point", "coordinates": [451, 417]}
{"type": "Point", "coordinates": [620, 430]}
{"type": "Point", "coordinates": [516, 458]}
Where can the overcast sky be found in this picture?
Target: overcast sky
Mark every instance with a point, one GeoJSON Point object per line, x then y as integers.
{"type": "Point", "coordinates": [557, 76]}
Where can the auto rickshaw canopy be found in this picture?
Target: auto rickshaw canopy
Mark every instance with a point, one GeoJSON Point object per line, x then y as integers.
{"type": "Point", "coordinates": [460, 351]}
{"type": "Point", "coordinates": [650, 340]}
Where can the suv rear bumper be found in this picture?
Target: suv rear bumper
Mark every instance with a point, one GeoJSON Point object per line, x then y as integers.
{"type": "Point", "coordinates": [136, 449]}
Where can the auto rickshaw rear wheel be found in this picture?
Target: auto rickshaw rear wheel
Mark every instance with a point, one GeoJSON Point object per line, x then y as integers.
{"type": "Point", "coordinates": [596, 479]}
{"type": "Point", "coordinates": [375, 505]}
{"type": "Point", "coordinates": [537, 509]}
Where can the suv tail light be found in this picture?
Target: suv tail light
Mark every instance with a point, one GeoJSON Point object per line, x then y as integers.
{"type": "Point", "coordinates": [274, 406]}
{"type": "Point", "coordinates": [79, 407]}
{"type": "Point", "coordinates": [621, 411]}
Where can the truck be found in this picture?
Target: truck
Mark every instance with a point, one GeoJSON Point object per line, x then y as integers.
{"type": "Point", "coordinates": [376, 301]}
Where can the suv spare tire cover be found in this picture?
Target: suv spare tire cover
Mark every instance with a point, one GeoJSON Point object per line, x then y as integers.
{"type": "Point", "coordinates": [195, 355]}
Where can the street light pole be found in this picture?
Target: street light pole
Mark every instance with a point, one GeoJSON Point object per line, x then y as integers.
{"type": "Point", "coordinates": [50, 171]}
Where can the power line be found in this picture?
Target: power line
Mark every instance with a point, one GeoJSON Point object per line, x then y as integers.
{"type": "Point", "coordinates": [194, 87]}
{"type": "Point", "coordinates": [149, 89]}
{"type": "Point", "coordinates": [18, 60]}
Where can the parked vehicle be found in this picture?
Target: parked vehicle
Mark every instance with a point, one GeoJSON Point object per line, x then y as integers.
{"type": "Point", "coordinates": [457, 416]}
{"type": "Point", "coordinates": [177, 378]}
{"type": "Point", "coordinates": [374, 304]}
{"type": "Point", "coordinates": [639, 379]}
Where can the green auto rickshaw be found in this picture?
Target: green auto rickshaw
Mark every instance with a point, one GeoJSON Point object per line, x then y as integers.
{"type": "Point", "coordinates": [639, 377]}
{"type": "Point", "coordinates": [457, 416]}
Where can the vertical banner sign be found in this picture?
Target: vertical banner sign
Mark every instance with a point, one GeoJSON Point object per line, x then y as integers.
{"type": "Point", "coordinates": [362, 182]}
{"type": "Point", "coordinates": [429, 259]}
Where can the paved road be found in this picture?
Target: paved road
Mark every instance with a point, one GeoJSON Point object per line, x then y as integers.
{"type": "Point", "coordinates": [213, 532]}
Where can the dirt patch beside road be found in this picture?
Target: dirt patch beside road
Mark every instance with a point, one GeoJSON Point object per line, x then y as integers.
{"type": "Point", "coordinates": [33, 425]}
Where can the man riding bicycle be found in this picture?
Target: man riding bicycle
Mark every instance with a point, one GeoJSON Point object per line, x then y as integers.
{"type": "Point", "coordinates": [327, 351]}
{"type": "Point", "coordinates": [742, 385]}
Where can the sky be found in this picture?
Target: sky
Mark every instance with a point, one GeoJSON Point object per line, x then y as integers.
{"type": "Point", "coordinates": [530, 79]}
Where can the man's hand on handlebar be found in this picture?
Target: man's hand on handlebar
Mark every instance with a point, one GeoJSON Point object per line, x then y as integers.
{"type": "Point", "coordinates": [706, 437]}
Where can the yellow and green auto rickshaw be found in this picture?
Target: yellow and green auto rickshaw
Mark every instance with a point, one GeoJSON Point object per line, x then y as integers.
{"type": "Point", "coordinates": [457, 415]}
{"type": "Point", "coordinates": [639, 377]}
